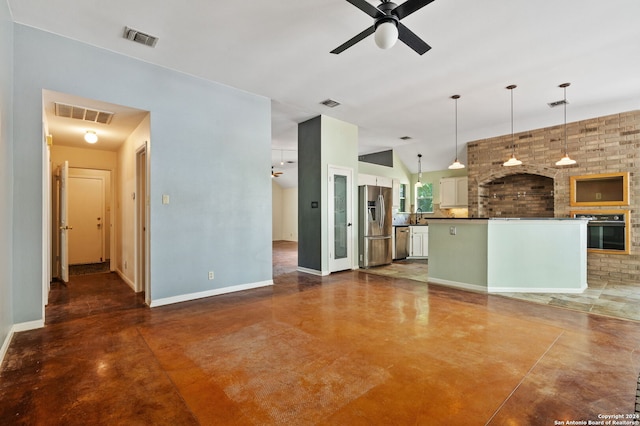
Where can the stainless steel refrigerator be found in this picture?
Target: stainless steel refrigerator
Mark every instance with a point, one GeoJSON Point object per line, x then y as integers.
{"type": "Point", "coordinates": [375, 225]}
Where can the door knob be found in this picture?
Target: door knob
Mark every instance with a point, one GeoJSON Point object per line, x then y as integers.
{"type": "Point", "coordinates": [349, 224]}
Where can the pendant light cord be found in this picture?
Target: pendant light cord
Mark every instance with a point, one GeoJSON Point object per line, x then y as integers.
{"type": "Point", "coordinates": [566, 148]}
{"type": "Point", "coordinates": [513, 140]}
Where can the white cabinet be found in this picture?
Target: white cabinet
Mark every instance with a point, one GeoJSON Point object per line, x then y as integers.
{"type": "Point", "coordinates": [453, 192]}
{"type": "Point", "coordinates": [396, 193]}
{"type": "Point", "coordinates": [419, 241]}
{"type": "Point", "coordinates": [364, 179]}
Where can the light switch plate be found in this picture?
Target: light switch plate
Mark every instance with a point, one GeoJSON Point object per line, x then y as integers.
{"type": "Point", "coordinates": [165, 199]}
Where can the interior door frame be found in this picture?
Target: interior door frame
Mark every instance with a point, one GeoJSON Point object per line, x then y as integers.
{"type": "Point", "coordinates": [142, 222]}
{"type": "Point", "coordinates": [346, 263]}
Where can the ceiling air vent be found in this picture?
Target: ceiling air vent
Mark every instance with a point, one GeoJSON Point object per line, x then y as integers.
{"type": "Point", "coordinates": [139, 37]}
{"type": "Point", "coordinates": [82, 113]}
{"type": "Point", "coordinates": [557, 103]}
{"type": "Point", "coordinates": [330, 103]}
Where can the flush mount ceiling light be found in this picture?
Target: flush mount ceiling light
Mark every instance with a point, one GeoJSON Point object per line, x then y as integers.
{"type": "Point", "coordinates": [456, 164]}
{"type": "Point", "coordinates": [419, 182]}
{"type": "Point", "coordinates": [566, 160]}
{"type": "Point", "coordinates": [90, 136]}
{"type": "Point", "coordinates": [513, 161]}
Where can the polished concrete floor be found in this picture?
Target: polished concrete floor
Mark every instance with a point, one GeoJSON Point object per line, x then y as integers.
{"type": "Point", "coordinates": [611, 298]}
{"type": "Point", "coordinates": [351, 348]}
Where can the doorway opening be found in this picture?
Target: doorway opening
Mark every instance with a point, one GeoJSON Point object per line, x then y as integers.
{"type": "Point", "coordinates": [101, 187]}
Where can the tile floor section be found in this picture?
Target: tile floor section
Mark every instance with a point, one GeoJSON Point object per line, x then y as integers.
{"type": "Point", "coordinates": [614, 299]}
{"type": "Point", "coordinates": [351, 348]}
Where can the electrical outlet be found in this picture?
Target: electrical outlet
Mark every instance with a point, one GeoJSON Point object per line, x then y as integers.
{"type": "Point", "coordinates": [452, 230]}
{"type": "Point", "coordinates": [210, 275]}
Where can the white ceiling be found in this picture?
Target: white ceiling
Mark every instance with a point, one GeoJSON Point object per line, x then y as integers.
{"type": "Point", "coordinates": [281, 50]}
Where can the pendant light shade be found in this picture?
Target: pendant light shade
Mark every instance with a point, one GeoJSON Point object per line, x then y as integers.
{"type": "Point", "coordinates": [513, 161]}
{"type": "Point", "coordinates": [419, 182]}
{"type": "Point", "coordinates": [456, 164]}
{"type": "Point", "coordinates": [565, 160]}
{"type": "Point", "coordinates": [90, 136]}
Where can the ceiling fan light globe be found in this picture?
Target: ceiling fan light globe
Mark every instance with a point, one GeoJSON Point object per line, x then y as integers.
{"type": "Point", "coordinates": [386, 35]}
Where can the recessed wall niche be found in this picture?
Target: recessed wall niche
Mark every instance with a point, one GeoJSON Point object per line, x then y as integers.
{"type": "Point", "coordinates": [605, 189]}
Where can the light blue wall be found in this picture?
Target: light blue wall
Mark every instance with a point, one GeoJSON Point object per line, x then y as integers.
{"type": "Point", "coordinates": [203, 135]}
{"type": "Point", "coordinates": [6, 169]}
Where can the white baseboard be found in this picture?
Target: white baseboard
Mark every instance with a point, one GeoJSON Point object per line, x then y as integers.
{"type": "Point", "coordinates": [16, 328]}
{"type": "Point", "coordinates": [463, 286]}
{"type": "Point", "coordinates": [5, 345]}
{"type": "Point", "coordinates": [208, 293]}
{"type": "Point", "coordinates": [26, 326]}
{"type": "Point", "coordinates": [312, 271]}
{"type": "Point", "coordinates": [537, 289]}
{"type": "Point", "coordinates": [124, 278]}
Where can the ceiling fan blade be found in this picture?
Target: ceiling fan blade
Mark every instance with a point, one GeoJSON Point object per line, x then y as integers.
{"type": "Point", "coordinates": [408, 7]}
{"type": "Point", "coordinates": [367, 8]}
{"type": "Point", "coordinates": [364, 34]}
{"type": "Point", "coordinates": [409, 38]}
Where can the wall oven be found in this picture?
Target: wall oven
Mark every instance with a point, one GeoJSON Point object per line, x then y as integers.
{"type": "Point", "coordinates": [607, 231]}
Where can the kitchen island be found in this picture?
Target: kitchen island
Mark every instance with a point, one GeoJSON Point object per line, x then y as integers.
{"type": "Point", "coordinates": [545, 255]}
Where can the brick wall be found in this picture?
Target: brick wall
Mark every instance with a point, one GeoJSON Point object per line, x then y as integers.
{"type": "Point", "coordinates": [600, 145]}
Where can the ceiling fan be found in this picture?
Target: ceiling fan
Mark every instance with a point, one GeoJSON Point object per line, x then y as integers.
{"type": "Point", "coordinates": [275, 174]}
{"type": "Point", "coordinates": [387, 26]}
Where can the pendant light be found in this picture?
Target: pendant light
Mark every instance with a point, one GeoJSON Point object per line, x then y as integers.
{"type": "Point", "coordinates": [566, 160]}
{"type": "Point", "coordinates": [419, 182]}
{"type": "Point", "coordinates": [456, 164]}
{"type": "Point", "coordinates": [513, 161]}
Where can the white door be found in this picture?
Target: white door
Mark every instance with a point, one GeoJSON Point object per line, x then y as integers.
{"type": "Point", "coordinates": [340, 219]}
{"type": "Point", "coordinates": [63, 226]}
{"type": "Point", "coordinates": [86, 215]}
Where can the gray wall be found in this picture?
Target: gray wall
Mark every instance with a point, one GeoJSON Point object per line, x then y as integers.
{"type": "Point", "coordinates": [310, 190]}
{"type": "Point", "coordinates": [6, 169]}
{"type": "Point", "coordinates": [203, 136]}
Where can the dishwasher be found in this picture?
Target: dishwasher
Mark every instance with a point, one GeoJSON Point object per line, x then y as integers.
{"type": "Point", "coordinates": [402, 242]}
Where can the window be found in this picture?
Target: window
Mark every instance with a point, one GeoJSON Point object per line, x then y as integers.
{"type": "Point", "coordinates": [403, 197]}
{"type": "Point", "coordinates": [424, 198]}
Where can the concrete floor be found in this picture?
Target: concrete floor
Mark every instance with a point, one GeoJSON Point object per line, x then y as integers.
{"type": "Point", "coordinates": [351, 348]}
{"type": "Point", "coordinates": [611, 298]}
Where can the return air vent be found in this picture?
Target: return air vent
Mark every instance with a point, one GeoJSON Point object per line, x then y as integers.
{"type": "Point", "coordinates": [557, 103]}
{"type": "Point", "coordinates": [330, 103]}
{"type": "Point", "coordinates": [140, 37]}
{"type": "Point", "coordinates": [82, 113]}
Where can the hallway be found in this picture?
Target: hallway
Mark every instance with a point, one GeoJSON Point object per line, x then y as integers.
{"type": "Point", "coordinates": [349, 348]}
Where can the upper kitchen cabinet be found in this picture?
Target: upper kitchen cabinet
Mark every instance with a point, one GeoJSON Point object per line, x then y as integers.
{"type": "Point", "coordinates": [606, 189]}
{"type": "Point", "coordinates": [453, 192]}
{"type": "Point", "coordinates": [364, 179]}
{"type": "Point", "coordinates": [399, 196]}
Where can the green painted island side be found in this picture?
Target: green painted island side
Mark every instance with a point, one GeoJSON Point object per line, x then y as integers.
{"type": "Point", "coordinates": [509, 255]}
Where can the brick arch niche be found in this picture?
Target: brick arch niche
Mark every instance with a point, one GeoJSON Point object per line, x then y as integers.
{"type": "Point", "coordinates": [526, 192]}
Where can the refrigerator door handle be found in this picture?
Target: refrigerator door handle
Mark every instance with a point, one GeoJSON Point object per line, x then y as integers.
{"type": "Point", "coordinates": [381, 214]}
